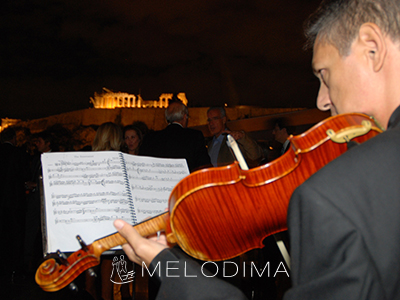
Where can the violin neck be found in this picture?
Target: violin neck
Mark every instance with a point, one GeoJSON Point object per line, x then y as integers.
{"type": "Point", "coordinates": [145, 228]}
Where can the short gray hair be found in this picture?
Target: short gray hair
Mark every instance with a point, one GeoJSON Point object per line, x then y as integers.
{"type": "Point", "coordinates": [220, 108]}
{"type": "Point", "coordinates": [338, 21]}
{"type": "Point", "coordinates": [175, 112]}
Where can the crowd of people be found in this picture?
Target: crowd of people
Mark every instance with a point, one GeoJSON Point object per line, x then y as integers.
{"type": "Point", "coordinates": [21, 176]}
{"type": "Point", "coordinates": [343, 222]}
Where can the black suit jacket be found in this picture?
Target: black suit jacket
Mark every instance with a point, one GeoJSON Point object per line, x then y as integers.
{"type": "Point", "coordinates": [177, 142]}
{"type": "Point", "coordinates": [344, 224]}
{"type": "Point", "coordinates": [14, 171]}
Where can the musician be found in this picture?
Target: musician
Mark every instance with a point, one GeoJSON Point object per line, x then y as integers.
{"type": "Point", "coordinates": [344, 221]}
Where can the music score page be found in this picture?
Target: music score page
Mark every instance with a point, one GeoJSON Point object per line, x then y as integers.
{"type": "Point", "coordinates": [85, 192]}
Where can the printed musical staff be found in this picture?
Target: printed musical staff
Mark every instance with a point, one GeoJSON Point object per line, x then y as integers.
{"type": "Point", "coordinates": [86, 191]}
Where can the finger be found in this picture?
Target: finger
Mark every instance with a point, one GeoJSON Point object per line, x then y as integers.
{"type": "Point", "coordinates": [144, 249]}
{"type": "Point", "coordinates": [134, 239]}
{"type": "Point", "coordinates": [127, 231]}
{"type": "Point", "coordinates": [234, 136]}
{"type": "Point", "coordinates": [131, 254]}
{"type": "Point", "coordinates": [237, 135]}
{"type": "Point", "coordinates": [162, 239]}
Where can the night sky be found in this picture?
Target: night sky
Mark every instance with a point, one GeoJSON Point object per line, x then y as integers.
{"type": "Point", "coordinates": [56, 54]}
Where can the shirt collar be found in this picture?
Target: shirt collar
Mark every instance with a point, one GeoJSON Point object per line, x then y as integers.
{"type": "Point", "coordinates": [176, 123]}
{"type": "Point", "coordinates": [219, 138]}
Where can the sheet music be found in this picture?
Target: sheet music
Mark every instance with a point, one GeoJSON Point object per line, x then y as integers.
{"type": "Point", "coordinates": [86, 191]}
{"type": "Point", "coordinates": [151, 181]}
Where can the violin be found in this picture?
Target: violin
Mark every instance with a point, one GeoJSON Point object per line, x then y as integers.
{"type": "Point", "coordinates": [219, 213]}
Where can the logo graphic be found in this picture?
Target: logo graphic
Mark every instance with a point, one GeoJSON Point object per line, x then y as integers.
{"type": "Point", "coordinates": [119, 274]}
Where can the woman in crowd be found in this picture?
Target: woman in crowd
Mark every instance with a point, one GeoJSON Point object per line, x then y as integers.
{"type": "Point", "coordinates": [133, 138]}
{"type": "Point", "coordinates": [108, 137]}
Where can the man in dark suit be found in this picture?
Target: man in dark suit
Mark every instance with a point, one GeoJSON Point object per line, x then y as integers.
{"type": "Point", "coordinates": [344, 221]}
{"type": "Point", "coordinates": [280, 144]}
{"type": "Point", "coordinates": [176, 140]}
{"type": "Point", "coordinates": [14, 172]}
{"type": "Point", "coordinates": [33, 239]}
{"type": "Point", "coordinates": [281, 133]}
{"type": "Point", "coordinates": [218, 149]}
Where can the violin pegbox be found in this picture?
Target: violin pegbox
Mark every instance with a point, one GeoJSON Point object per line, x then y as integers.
{"type": "Point", "coordinates": [57, 270]}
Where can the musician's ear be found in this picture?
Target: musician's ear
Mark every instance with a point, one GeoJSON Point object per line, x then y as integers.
{"type": "Point", "coordinates": [373, 42]}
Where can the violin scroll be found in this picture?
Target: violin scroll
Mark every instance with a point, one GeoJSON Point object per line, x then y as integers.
{"type": "Point", "coordinates": [52, 276]}
{"type": "Point", "coordinates": [58, 271]}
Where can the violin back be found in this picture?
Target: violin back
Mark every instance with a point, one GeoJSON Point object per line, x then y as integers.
{"type": "Point", "coordinates": [220, 213]}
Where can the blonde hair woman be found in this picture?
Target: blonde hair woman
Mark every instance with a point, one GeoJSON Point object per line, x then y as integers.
{"type": "Point", "coordinates": [108, 137]}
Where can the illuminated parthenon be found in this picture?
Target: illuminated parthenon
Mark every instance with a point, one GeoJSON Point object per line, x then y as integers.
{"type": "Point", "coordinates": [110, 99]}
{"type": "Point", "coordinates": [7, 122]}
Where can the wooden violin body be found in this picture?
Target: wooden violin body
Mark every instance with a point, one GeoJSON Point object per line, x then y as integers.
{"type": "Point", "coordinates": [219, 213]}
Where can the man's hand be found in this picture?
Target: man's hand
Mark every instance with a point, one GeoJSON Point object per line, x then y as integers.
{"type": "Point", "coordinates": [138, 248]}
{"type": "Point", "coordinates": [237, 135]}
